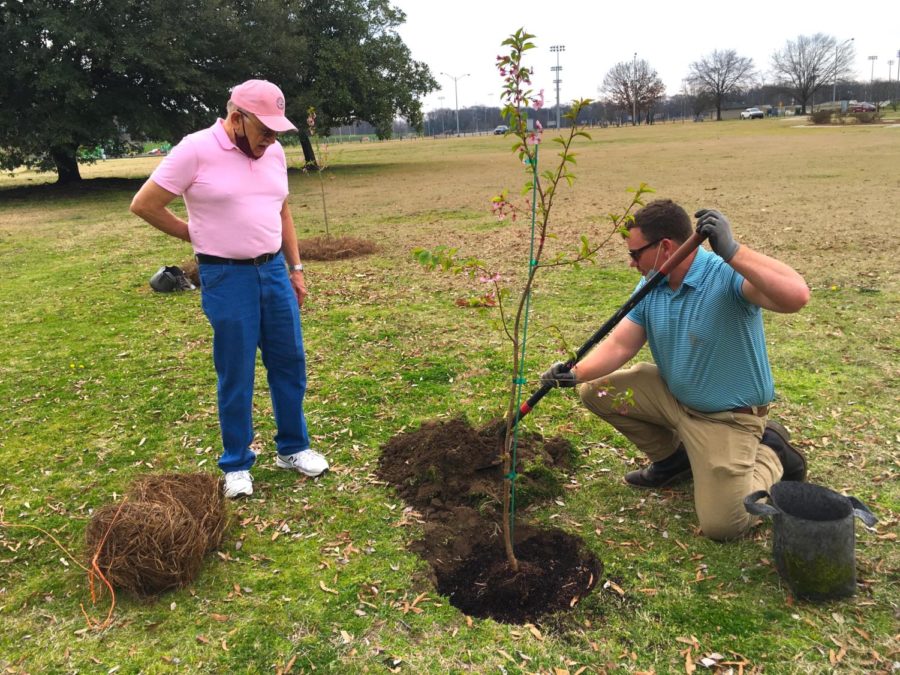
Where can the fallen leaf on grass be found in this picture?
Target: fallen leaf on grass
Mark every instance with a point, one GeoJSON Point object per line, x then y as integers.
{"type": "Point", "coordinates": [689, 666]}
{"type": "Point", "coordinates": [202, 639]}
{"type": "Point", "coordinates": [614, 586]}
{"type": "Point", "coordinates": [534, 631]}
{"type": "Point", "coordinates": [326, 589]}
{"type": "Point", "coordinates": [218, 617]}
{"type": "Point", "coordinates": [506, 656]}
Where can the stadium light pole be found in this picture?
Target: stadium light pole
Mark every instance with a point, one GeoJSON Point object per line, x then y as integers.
{"type": "Point", "coordinates": [456, 79]}
{"type": "Point", "coordinates": [834, 86]}
{"type": "Point", "coordinates": [556, 49]}
{"type": "Point", "coordinates": [873, 59]}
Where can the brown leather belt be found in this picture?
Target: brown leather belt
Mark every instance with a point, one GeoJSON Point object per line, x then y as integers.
{"type": "Point", "coordinates": [761, 410]}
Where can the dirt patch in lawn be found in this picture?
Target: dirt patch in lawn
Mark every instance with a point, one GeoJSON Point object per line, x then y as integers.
{"type": "Point", "coordinates": [451, 474]}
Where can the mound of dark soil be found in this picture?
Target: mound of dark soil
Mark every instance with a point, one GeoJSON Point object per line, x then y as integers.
{"type": "Point", "coordinates": [451, 473]}
{"type": "Point", "coordinates": [448, 463]}
{"type": "Point", "coordinates": [334, 248]}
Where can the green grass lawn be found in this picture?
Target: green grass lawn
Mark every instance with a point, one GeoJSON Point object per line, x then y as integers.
{"type": "Point", "coordinates": [102, 380]}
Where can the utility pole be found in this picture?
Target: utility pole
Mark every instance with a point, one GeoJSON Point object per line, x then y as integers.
{"type": "Point", "coordinates": [456, 95]}
{"type": "Point", "coordinates": [872, 78]}
{"type": "Point", "coordinates": [634, 90]}
{"type": "Point", "coordinates": [834, 86]}
{"type": "Point", "coordinates": [556, 49]}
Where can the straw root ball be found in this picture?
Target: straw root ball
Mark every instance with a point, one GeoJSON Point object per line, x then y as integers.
{"type": "Point", "coordinates": [146, 547]}
{"type": "Point", "coordinates": [200, 493]}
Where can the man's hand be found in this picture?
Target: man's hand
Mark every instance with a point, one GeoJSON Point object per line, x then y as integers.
{"type": "Point", "coordinates": [299, 286]}
{"type": "Point", "coordinates": [556, 377]}
{"type": "Point", "coordinates": [716, 226]}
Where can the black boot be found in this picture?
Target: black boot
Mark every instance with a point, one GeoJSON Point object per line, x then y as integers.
{"type": "Point", "coordinates": [792, 460]}
{"type": "Point", "coordinates": [675, 468]}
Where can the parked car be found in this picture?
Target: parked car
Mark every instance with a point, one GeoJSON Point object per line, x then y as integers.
{"type": "Point", "coordinates": [752, 114]}
{"type": "Point", "coordinates": [500, 129]}
{"type": "Point", "coordinates": [862, 107]}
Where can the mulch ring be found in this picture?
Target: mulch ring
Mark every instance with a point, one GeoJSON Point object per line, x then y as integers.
{"type": "Point", "coordinates": [450, 473]}
{"type": "Point", "coordinates": [334, 248]}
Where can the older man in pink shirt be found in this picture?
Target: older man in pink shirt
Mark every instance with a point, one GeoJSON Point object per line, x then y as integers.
{"type": "Point", "coordinates": [233, 178]}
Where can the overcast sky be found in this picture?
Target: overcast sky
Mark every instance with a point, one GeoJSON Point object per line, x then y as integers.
{"type": "Point", "coordinates": [463, 37]}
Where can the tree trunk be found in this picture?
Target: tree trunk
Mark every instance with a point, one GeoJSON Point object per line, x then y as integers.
{"type": "Point", "coordinates": [66, 163]}
{"type": "Point", "coordinates": [309, 155]}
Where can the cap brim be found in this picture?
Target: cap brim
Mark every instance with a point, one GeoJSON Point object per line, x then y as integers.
{"type": "Point", "coordinates": [278, 123]}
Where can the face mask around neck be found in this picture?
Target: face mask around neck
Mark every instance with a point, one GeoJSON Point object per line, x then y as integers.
{"type": "Point", "coordinates": [242, 143]}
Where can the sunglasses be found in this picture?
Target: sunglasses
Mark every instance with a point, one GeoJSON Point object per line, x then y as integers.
{"type": "Point", "coordinates": [636, 253]}
{"type": "Point", "coordinates": [264, 131]}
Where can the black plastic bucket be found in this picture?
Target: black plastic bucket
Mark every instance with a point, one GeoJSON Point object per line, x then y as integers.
{"type": "Point", "coordinates": [813, 540]}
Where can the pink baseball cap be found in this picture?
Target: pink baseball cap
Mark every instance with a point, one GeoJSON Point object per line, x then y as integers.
{"type": "Point", "coordinates": [265, 100]}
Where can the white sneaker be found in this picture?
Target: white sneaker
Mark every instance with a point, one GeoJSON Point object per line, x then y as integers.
{"type": "Point", "coordinates": [308, 462]}
{"type": "Point", "coordinates": [238, 484]}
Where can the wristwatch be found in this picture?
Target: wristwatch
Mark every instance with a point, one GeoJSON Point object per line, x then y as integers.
{"type": "Point", "coordinates": [296, 268]}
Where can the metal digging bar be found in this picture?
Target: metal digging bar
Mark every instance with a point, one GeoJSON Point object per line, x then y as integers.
{"type": "Point", "coordinates": [680, 254]}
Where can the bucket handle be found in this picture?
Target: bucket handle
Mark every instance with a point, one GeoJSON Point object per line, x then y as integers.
{"type": "Point", "coordinates": [752, 505]}
{"type": "Point", "coordinates": [862, 512]}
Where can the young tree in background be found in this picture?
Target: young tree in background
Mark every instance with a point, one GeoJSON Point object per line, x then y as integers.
{"type": "Point", "coordinates": [721, 74]}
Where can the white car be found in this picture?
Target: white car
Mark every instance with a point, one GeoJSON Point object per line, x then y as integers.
{"type": "Point", "coordinates": [752, 114]}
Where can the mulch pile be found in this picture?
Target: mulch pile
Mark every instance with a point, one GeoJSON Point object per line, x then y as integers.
{"type": "Point", "coordinates": [156, 538]}
{"type": "Point", "coordinates": [451, 474]}
{"type": "Point", "coordinates": [334, 248]}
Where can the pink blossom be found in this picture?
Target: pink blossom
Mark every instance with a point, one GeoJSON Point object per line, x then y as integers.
{"type": "Point", "coordinates": [489, 278]}
{"type": "Point", "coordinates": [539, 101]}
{"type": "Point", "coordinates": [538, 125]}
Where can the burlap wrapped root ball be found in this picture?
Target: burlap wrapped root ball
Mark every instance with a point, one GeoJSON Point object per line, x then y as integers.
{"type": "Point", "coordinates": [146, 548]}
{"type": "Point", "coordinates": [200, 493]}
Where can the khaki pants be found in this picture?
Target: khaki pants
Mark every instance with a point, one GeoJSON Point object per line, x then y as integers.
{"type": "Point", "coordinates": [727, 459]}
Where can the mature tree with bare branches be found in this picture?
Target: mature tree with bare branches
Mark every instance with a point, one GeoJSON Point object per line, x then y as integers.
{"type": "Point", "coordinates": [810, 63]}
{"type": "Point", "coordinates": [633, 86]}
{"type": "Point", "coordinates": [721, 74]}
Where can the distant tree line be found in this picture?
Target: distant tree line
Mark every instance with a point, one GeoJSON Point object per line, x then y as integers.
{"type": "Point", "coordinates": [806, 71]}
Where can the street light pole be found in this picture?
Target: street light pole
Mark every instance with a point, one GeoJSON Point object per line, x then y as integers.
{"type": "Point", "coordinates": [556, 49]}
{"type": "Point", "coordinates": [872, 78]}
{"type": "Point", "coordinates": [456, 95]}
{"type": "Point", "coordinates": [633, 90]}
{"type": "Point", "coordinates": [834, 86]}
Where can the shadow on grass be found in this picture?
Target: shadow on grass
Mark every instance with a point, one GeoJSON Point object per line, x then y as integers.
{"type": "Point", "coordinates": [83, 188]}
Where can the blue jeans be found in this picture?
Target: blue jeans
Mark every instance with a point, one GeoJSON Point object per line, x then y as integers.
{"type": "Point", "coordinates": [250, 306]}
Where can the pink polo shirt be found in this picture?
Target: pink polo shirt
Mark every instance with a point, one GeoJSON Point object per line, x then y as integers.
{"type": "Point", "coordinates": [233, 203]}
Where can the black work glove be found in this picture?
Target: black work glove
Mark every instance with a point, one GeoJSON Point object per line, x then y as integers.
{"type": "Point", "coordinates": [716, 226]}
{"type": "Point", "coordinates": [556, 377]}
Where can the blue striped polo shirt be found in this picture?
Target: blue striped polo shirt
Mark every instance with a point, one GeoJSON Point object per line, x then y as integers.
{"type": "Point", "coordinates": [706, 339]}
